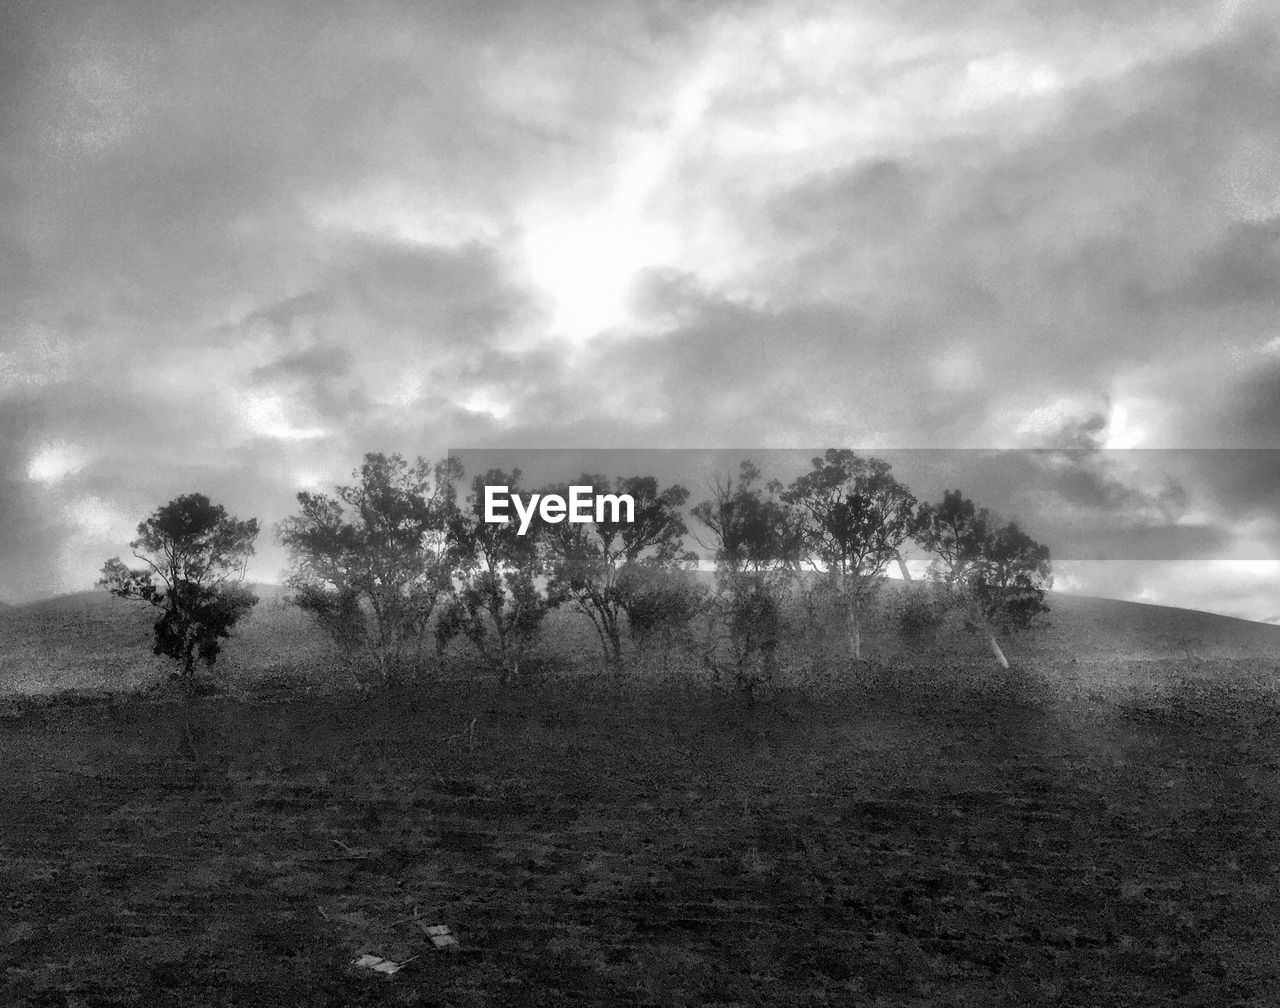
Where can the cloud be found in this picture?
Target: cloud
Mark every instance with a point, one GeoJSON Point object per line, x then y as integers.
{"type": "Point", "coordinates": [242, 248]}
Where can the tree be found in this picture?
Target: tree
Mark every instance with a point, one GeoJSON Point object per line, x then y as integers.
{"type": "Point", "coordinates": [498, 605]}
{"type": "Point", "coordinates": [195, 556]}
{"type": "Point", "coordinates": [660, 603]}
{"type": "Point", "coordinates": [372, 562]}
{"type": "Point", "coordinates": [756, 541]}
{"type": "Point", "coordinates": [955, 532]}
{"type": "Point", "coordinates": [857, 516]}
{"type": "Point", "coordinates": [997, 572]}
{"type": "Point", "coordinates": [590, 562]}
{"type": "Point", "coordinates": [1009, 589]}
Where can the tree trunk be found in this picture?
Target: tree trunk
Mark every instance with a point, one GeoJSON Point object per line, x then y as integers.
{"type": "Point", "coordinates": [853, 632]}
{"type": "Point", "coordinates": [605, 650]}
{"type": "Point", "coordinates": [902, 567]}
{"type": "Point", "coordinates": [613, 647]}
{"type": "Point", "coordinates": [995, 650]}
{"type": "Point", "coordinates": [769, 653]}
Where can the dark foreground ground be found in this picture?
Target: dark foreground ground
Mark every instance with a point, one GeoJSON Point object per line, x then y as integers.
{"type": "Point", "coordinates": [659, 847]}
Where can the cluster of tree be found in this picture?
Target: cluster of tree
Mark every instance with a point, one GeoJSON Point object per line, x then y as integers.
{"type": "Point", "coordinates": [841, 525]}
{"type": "Point", "coordinates": [372, 561]}
{"type": "Point", "coordinates": [397, 557]}
{"type": "Point", "coordinates": [378, 559]}
{"type": "Point", "coordinates": [995, 571]}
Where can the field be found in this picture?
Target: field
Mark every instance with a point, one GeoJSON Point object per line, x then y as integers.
{"type": "Point", "coordinates": [1007, 841]}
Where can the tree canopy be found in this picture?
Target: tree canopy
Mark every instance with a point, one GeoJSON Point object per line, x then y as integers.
{"type": "Point", "coordinates": [594, 564]}
{"type": "Point", "coordinates": [195, 556]}
{"type": "Point", "coordinates": [498, 604]}
{"type": "Point", "coordinates": [372, 560]}
{"type": "Point", "coordinates": [856, 518]}
{"type": "Point", "coordinates": [757, 542]}
{"type": "Point", "coordinates": [997, 571]}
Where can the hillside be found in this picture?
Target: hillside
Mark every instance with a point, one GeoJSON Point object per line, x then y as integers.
{"type": "Point", "coordinates": [1108, 627]}
{"type": "Point", "coordinates": [849, 847]}
{"type": "Point", "coordinates": [93, 640]}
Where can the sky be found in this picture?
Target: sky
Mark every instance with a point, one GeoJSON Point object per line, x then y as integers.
{"type": "Point", "coordinates": [246, 243]}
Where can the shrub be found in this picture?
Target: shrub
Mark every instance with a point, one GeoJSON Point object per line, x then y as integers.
{"type": "Point", "coordinates": [920, 613]}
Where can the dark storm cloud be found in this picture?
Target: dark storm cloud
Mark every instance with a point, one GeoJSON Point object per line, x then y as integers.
{"type": "Point", "coordinates": [448, 295]}
{"type": "Point", "coordinates": [1088, 479]}
{"type": "Point", "coordinates": [1084, 503]}
{"type": "Point", "coordinates": [175, 153]}
{"type": "Point", "coordinates": [1239, 484]}
{"type": "Point", "coordinates": [1090, 246]}
{"type": "Point", "coordinates": [1082, 433]}
{"type": "Point", "coordinates": [1243, 266]}
{"type": "Point", "coordinates": [283, 314]}
{"type": "Point", "coordinates": [743, 372]}
{"type": "Point", "coordinates": [1249, 410]}
{"type": "Point", "coordinates": [380, 310]}
{"type": "Point", "coordinates": [313, 363]}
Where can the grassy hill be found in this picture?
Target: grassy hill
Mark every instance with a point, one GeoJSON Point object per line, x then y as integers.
{"type": "Point", "coordinates": [1145, 631]}
{"type": "Point", "coordinates": [981, 848]}
{"type": "Point", "coordinates": [1091, 644]}
{"type": "Point", "coordinates": [93, 640]}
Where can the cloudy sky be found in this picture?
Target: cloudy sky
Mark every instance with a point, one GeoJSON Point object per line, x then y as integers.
{"type": "Point", "coordinates": [245, 243]}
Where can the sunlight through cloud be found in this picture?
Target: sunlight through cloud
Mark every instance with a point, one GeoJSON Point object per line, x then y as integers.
{"type": "Point", "coordinates": [54, 462]}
